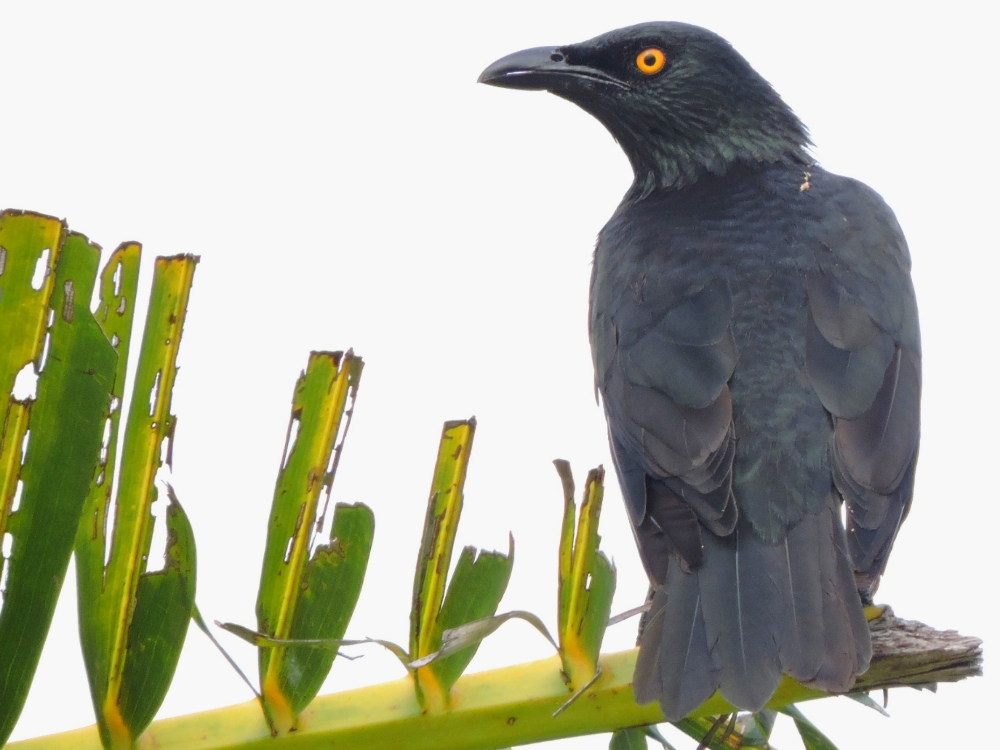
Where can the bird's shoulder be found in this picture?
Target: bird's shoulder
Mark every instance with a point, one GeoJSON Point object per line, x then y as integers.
{"type": "Point", "coordinates": [861, 264]}
{"type": "Point", "coordinates": [787, 219]}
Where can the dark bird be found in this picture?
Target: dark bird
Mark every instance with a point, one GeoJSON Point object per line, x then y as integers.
{"type": "Point", "coordinates": [756, 348]}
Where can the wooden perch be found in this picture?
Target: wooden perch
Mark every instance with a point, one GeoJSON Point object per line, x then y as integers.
{"type": "Point", "coordinates": [909, 653]}
{"type": "Point", "coordinates": [514, 705]}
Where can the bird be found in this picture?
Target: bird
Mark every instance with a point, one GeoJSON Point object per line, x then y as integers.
{"type": "Point", "coordinates": [756, 350]}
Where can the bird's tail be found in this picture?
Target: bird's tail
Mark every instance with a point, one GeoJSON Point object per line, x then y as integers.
{"type": "Point", "coordinates": [751, 612]}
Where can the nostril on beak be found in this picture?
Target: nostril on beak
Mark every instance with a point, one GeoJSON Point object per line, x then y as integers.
{"type": "Point", "coordinates": [556, 57]}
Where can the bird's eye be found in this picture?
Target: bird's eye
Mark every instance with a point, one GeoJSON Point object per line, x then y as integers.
{"type": "Point", "coordinates": [651, 60]}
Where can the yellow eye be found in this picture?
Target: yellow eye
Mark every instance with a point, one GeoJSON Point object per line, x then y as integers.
{"type": "Point", "coordinates": [651, 60]}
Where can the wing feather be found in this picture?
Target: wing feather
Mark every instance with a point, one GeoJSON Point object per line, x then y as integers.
{"type": "Point", "coordinates": [863, 359]}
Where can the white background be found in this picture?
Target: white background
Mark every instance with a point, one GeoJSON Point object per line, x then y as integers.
{"type": "Point", "coordinates": [347, 183]}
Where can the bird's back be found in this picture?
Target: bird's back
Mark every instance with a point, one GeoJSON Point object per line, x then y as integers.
{"type": "Point", "coordinates": [711, 320]}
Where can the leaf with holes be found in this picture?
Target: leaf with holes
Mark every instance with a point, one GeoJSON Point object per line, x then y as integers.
{"type": "Point", "coordinates": [309, 591]}
{"type": "Point", "coordinates": [448, 620]}
{"type": "Point", "coordinates": [119, 284]}
{"type": "Point", "coordinates": [586, 579]}
{"type": "Point", "coordinates": [132, 621]}
{"type": "Point", "coordinates": [476, 586]}
{"type": "Point", "coordinates": [50, 445]}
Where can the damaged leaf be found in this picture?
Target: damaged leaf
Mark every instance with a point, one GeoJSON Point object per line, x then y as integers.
{"type": "Point", "coordinates": [45, 289]}
{"type": "Point", "coordinates": [133, 622]}
{"type": "Point", "coordinates": [474, 592]}
{"type": "Point", "coordinates": [476, 587]}
{"type": "Point", "coordinates": [586, 579]}
{"type": "Point", "coordinates": [119, 283]}
{"type": "Point", "coordinates": [305, 593]}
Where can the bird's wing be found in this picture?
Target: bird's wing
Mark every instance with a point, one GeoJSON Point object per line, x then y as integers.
{"type": "Point", "coordinates": [663, 359]}
{"type": "Point", "coordinates": [863, 359]}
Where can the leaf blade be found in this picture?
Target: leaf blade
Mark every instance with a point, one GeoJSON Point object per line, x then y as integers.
{"type": "Point", "coordinates": [111, 608]}
{"type": "Point", "coordinates": [474, 592]}
{"type": "Point", "coordinates": [116, 312]}
{"type": "Point", "coordinates": [628, 739]}
{"type": "Point", "coordinates": [586, 583]}
{"type": "Point", "coordinates": [319, 406]}
{"type": "Point", "coordinates": [65, 436]}
{"type": "Point", "coordinates": [332, 583]}
{"type": "Point", "coordinates": [812, 738]}
{"type": "Point", "coordinates": [165, 600]}
{"type": "Point", "coordinates": [444, 509]}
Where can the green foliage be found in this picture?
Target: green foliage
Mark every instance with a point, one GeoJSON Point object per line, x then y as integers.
{"type": "Point", "coordinates": [164, 600]}
{"type": "Point", "coordinates": [304, 593]}
{"type": "Point", "coordinates": [476, 586]}
{"type": "Point", "coordinates": [62, 427]}
{"type": "Point", "coordinates": [812, 738]}
{"type": "Point", "coordinates": [133, 622]}
{"type": "Point", "coordinates": [586, 579]}
{"type": "Point", "coordinates": [331, 585]}
{"type": "Point", "coordinates": [628, 739]}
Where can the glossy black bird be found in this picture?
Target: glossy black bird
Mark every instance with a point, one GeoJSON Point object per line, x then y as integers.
{"type": "Point", "coordinates": [756, 347]}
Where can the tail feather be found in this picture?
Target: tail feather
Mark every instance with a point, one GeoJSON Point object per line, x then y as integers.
{"type": "Point", "coordinates": [743, 610]}
{"type": "Point", "coordinates": [675, 666]}
{"type": "Point", "coordinates": [688, 672]}
{"type": "Point", "coordinates": [835, 645]}
{"type": "Point", "coordinates": [840, 663]}
{"type": "Point", "coordinates": [801, 640]}
{"type": "Point", "coordinates": [718, 627]}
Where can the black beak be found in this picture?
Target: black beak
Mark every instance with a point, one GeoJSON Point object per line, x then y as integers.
{"type": "Point", "coordinates": [544, 68]}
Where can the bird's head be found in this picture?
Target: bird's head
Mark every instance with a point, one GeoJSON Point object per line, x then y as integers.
{"type": "Point", "coordinates": [678, 98]}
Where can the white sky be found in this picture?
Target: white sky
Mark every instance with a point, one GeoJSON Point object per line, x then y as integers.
{"type": "Point", "coordinates": [347, 183]}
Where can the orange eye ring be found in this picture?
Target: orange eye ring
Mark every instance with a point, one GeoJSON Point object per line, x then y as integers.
{"type": "Point", "coordinates": [651, 60]}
